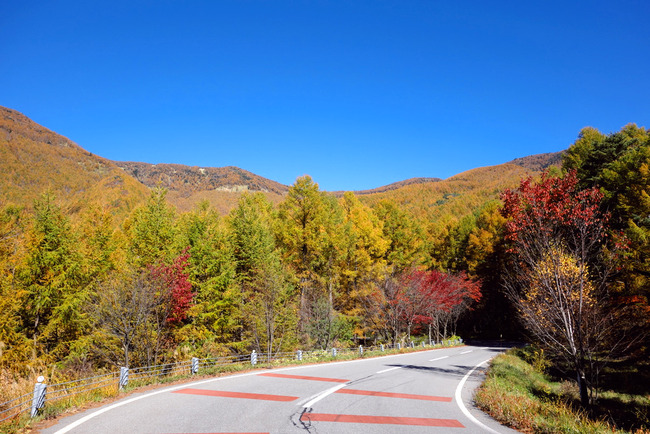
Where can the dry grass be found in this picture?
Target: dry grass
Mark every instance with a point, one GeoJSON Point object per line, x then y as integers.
{"type": "Point", "coordinates": [518, 395]}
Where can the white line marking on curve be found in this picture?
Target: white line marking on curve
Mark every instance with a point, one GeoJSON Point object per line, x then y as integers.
{"type": "Point", "coordinates": [465, 352]}
{"type": "Point", "coordinates": [389, 369]}
{"type": "Point", "coordinates": [84, 419]}
{"type": "Point", "coordinates": [323, 395]}
{"type": "Point", "coordinates": [461, 405]}
{"type": "Point", "coordinates": [438, 358]}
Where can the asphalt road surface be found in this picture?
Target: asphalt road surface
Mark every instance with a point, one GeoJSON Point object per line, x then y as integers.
{"type": "Point", "coordinates": [424, 392]}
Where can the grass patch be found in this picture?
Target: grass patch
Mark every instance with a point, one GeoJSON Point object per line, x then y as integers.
{"type": "Point", "coordinates": [522, 397]}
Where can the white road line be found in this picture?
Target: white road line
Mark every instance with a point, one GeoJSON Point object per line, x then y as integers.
{"type": "Point", "coordinates": [465, 352]}
{"type": "Point", "coordinates": [323, 395]}
{"type": "Point", "coordinates": [439, 358]}
{"type": "Point", "coordinates": [389, 369]}
{"type": "Point", "coordinates": [86, 418]}
{"type": "Point", "coordinates": [461, 404]}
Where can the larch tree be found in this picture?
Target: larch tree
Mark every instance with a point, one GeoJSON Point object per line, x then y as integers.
{"type": "Point", "coordinates": [304, 228]}
{"type": "Point", "coordinates": [267, 297]}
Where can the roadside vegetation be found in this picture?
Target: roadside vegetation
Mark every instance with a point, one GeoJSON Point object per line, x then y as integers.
{"type": "Point", "coordinates": [524, 392]}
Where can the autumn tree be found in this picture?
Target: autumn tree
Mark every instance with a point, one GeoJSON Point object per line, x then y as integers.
{"type": "Point", "coordinates": [619, 165]}
{"type": "Point", "coordinates": [404, 234]}
{"type": "Point", "coordinates": [215, 314]}
{"type": "Point", "coordinates": [14, 345]}
{"type": "Point", "coordinates": [52, 281]}
{"type": "Point", "coordinates": [122, 307]}
{"type": "Point", "coordinates": [558, 270]}
{"type": "Point", "coordinates": [150, 230]}
{"type": "Point", "coordinates": [361, 263]}
{"type": "Point", "coordinates": [267, 295]}
{"type": "Point", "coordinates": [307, 220]}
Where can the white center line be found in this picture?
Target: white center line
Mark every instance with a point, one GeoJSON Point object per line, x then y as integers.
{"type": "Point", "coordinates": [465, 352]}
{"type": "Point", "coordinates": [439, 358]}
{"type": "Point", "coordinates": [389, 369]}
{"type": "Point", "coordinates": [323, 395]}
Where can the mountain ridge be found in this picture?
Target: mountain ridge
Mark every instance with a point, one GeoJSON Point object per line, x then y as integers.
{"type": "Point", "coordinates": [35, 159]}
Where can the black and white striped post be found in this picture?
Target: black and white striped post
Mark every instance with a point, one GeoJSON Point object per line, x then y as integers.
{"type": "Point", "coordinates": [38, 401]}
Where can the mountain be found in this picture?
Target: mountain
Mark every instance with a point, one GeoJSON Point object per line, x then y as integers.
{"type": "Point", "coordinates": [34, 159]}
{"type": "Point", "coordinates": [186, 186]}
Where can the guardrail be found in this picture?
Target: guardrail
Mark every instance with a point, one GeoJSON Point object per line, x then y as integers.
{"type": "Point", "coordinates": [113, 382]}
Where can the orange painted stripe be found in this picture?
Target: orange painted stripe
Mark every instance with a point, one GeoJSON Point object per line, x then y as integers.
{"type": "Point", "coordinates": [304, 377]}
{"type": "Point", "coordinates": [242, 395]}
{"type": "Point", "coordinates": [394, 395]}
{"type": "Point", "coordinates": [381, 420]}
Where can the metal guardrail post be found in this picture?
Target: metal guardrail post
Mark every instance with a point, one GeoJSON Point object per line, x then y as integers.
{"type": "Point", "coordinates": [299, 355]}
{"type": "Point", "coordinates": [195, 365]}
{"type": "Point", "coordinates": [254, 358]}
{"type": "Point", "coordinates": [38, 401]}
{"type": "Point", "coordinates": [124, 377]}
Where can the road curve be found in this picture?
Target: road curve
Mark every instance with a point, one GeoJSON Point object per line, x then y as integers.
{"type": "Point", "coordinates": [423, 392]}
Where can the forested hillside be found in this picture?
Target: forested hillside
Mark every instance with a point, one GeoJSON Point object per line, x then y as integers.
{"type": "Point", "coordinates": [34, 159]}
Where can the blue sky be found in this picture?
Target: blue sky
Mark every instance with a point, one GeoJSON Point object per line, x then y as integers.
{"type": "Point", "coordinates": [357, 94]}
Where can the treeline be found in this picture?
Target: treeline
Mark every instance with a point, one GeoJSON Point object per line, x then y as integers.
{"type": "Point", "coordinates": [313, 272]}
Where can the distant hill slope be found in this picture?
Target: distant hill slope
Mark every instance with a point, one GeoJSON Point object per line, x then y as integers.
{"type": "Point", "coordinates": [186, 185]}
{"type": "Point", "coordinates": [457, 196]}
{"type": "Point", "coordinates": [539, 162]}
{"type": "Point", "coordinates": [393, 186]}
{"type": "Point", "coordinates": [34, 159]}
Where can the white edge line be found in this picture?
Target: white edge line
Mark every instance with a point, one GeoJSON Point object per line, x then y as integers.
{"type": "Point", "coordinates": [102, 410]}
{"type": "Point", "coordinates": [465, 352]}
{"type": "Point", "coordinates": [461, 404]}
{"type": "Point", "coordinates": [439, 358]}
{"type": "Point", "coordinates": [323, 395]}
{"type": "Point", "coordinates": [389, 369]}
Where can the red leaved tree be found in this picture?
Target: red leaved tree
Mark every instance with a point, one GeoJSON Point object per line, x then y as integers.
{"type": "Point", "coordinates": [432, 298]}
{"type": "Point", "coordinates": [559, 269]}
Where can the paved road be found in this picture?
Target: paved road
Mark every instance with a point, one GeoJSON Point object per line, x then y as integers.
{"type": "Point", "coordinates": [423, 392]}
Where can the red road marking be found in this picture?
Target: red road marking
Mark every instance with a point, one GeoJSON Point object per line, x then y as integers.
{"type": "Point", "coordinates": [394, 395]}
{"type": "Point", "coordinates": [304, 377]}
{"type": "Point", "coordinates": [224, 394]}
{"type": "Point", "coordinates": [382, 420]}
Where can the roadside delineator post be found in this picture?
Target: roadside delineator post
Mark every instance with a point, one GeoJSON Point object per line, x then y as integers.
{"type": "Point", "coordinates": [38, 401]}
{"type": "Point", "coordinates": [195, 365]}
{"type": "Point", "coordinates": [333, 352]}
{"type": "Point", "coordinates": [124, 377]}
{"type": "Point", "coordinates": [361, 350]}
{"type": "Point", "coordinates": [254, 358]}
{"type": "Point", "coordinates": [382, 348]}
